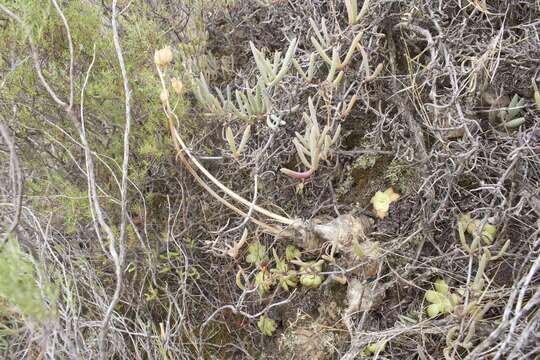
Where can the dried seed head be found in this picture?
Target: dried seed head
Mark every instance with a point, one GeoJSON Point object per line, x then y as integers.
{"type": "Point", "coordinates": [164, 56]}
{"type": "Point", "coordinates": [177, 85]}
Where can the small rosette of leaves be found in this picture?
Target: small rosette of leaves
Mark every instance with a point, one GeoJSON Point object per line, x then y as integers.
{"type": "Point", "coordinates": [266, 325]}
{"type": "Point", "coordinates": [264, 281]}
{"type": "Point", "coordinates": [310, 277]}
{"type": "Point", "coordinates": [256, 253]}
{"type": "Point", "coordinates": [487, 234]}
{"type": "Point", "coordinates": [292, 253]}
{"type": "Point", "coordinates": [441, 300]}
{"type": "Point", "coordinates": [287, 278]}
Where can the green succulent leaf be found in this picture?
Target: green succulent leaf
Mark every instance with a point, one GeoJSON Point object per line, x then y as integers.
{"type": "Point", "coordinates": [288, 281]}
{"type": "Point", "coordinates": [311, 281]}
{"type": "Point", "coordinates": [488, 233]}
{"type": "Point", "coordinates": [441, 286]}
{"type": "Point", "coordinates": [516, 105]}
{"type": "Point", "coordinates": [442, 301]}
{"type": "Point", "coordinates": [433, 310]}
{"type": "Point", "coordinates": [434, 297]}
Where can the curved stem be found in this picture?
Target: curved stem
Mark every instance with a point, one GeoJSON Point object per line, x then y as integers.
{"type": "Point", "coordinates": [184, 149]}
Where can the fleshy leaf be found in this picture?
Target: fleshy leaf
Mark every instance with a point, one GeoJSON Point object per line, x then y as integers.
{"type": "Point", "coordinates": [434, 297]}
{"type": "Point", "coordinates": [441, 286]}
{"type": "Point", "coordinates": [433, 310]}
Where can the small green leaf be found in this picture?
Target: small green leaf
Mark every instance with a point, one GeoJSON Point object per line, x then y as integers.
{"type": "Point", "coordinates": [245, 138]}
{"type": "Point", "coordinates": [441, 286]}
{"type": "Point", "coordinates": [433, 310]}
{"type": "Point", "coordinates": [516, 105]}
{"type": "Point", "coordinates": [230, 139]}
{"type": "Point", "coordinates": [434, 297]}
{"type": "Point", "coordinates": [311, 281]}
{"type": "Point", "coordinates": [488, 233]}
{"type": "Point", "coordinates": [514, 123]}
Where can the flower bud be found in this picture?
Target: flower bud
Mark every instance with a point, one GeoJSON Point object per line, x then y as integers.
{"type": "Point", "coordinates": [164, 96]}
{"type": "Point", "coordinates": [177, 85]}
{"type": "Point", "coordinates": [164, 56]}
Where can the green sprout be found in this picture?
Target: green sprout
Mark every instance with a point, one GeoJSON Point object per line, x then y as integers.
{"type": "Point", "coordinates": [256, 253]}
{"type": "Point", "coordinates": [273, 73]}
{"type": "Point", "coordinates": [264, 281]}
{"type": "Point", "coordinates": [509, 116]}
{"type": "Point", "coordinates": [286, 278]}
{"type": "Point", "coordinates": [442, 302]}
{"type": "Point", "coordinates": [466, 224]}
{"type": "Point", "coordinates": [292, 253]}
{"type": "Point", "coordinates": [232, 144]}
{"type": "Point", "coordinates": [310, 277]}
{"type": "Point", "coordinates": [374, 348]}
{"type": "Point", "coordinates": [313, 143]}
{"type": "Point", "coordinates": [266, 325]}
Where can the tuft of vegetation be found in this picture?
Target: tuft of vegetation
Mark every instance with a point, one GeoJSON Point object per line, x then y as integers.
{"type": "Point", "coordinates": [269, 179]}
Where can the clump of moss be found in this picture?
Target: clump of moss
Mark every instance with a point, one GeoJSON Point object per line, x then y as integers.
{"type": "Point", "coordinates": [402, 175]}
{"type": "Point", "coordinates": [362, 164]}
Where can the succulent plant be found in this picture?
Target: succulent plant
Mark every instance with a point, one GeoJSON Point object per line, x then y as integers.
{"type": "Point", "coordinates": [470, 226]}
{"type": "Point", "coordinates": [310, 277]}
{"type": "Point", "coordinates": [264, 281]}
{"type": "Point", "coordinates": [256, 253]}
{"type": "Point", "coordinates": [286, 277]}
{"type": "Point", "coordinates": [292, 252]}
{"type": "Point", "coordinates": [266, 325]}
{"type": "Point", "coordinates": [273, 72]}
{"type": "Point", "coordinates": [509, 116]}
{"type": "Point", "coordinates": [248, 104]}
{"type": "Point", "coordinates": [313, 143]}
{"type": "Point", "coordinates": [441, 300]}
{"type": "Point", "coordinates": [236, 151]}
